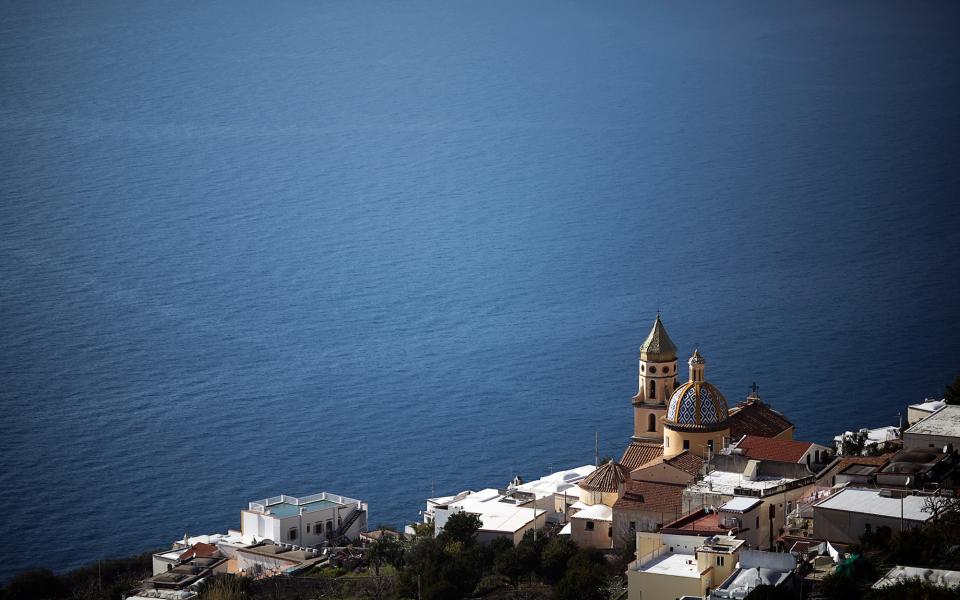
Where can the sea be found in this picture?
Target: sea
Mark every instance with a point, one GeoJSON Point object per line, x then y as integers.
{"type": "Point", "coordinates": [400, 249]}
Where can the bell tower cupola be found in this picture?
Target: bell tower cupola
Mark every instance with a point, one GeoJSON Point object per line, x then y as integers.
{"type": "Point", "coordinates": [696, 364]}
{"type": "Point", "coordinates": [657, 378]}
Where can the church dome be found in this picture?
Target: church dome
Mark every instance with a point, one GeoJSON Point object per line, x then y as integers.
{"type": "Point", "coordinates": [697, 405]}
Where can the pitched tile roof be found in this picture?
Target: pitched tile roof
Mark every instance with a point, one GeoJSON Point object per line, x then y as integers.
{"type": "Point", "coordinates": [651, 495]}
{"type": "Point", "coordinates": [200, 549]}
{"type": "Point", "coordinates": [764, 448]}
{"type": "Point", "coordinates": [640, 453]}
{"type": "Point", "coordinates": [691, 464]}
{"type": "Point", "coordinates": [606, 478]}
{"type": "Point", "coordinates": [686, 462]}
{"type": "Point", "coordinates": [658, 346]}
{"type": "Point", "coordinates": [754, 417]}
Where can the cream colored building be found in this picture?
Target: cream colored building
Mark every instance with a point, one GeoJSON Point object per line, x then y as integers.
{"type": "Point", "coordinates": [671, 566]}
{"type": "Point", "coordinates": [592, 525]}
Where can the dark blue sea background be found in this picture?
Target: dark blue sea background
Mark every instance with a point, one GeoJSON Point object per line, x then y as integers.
{"type": "Point", "coordinates": [386, 248]}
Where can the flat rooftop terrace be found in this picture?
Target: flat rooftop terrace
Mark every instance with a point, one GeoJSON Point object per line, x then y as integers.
{"type": "Point", "coordinates": [287, 509]}
{"type": "Point", "coordinates": [287, 506]}
{"type": "Point", "coordinates": [674, 564]}
{"type": "Point", "coordinates": [944, 422]}
{"type": "Point", "coordinates": [726, 482]}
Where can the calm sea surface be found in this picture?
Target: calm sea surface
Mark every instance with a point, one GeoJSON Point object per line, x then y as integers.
{"type": "Point", "coordinates": [386, 248]}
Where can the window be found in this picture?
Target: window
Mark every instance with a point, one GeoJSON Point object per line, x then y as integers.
{"type": "Point", "coordinates": [293, 534]}
{"type": "Point", "coordinates": [773, 511]}
{"type": "Point", "coordinates": [653, 389]}
{"type": "Point", "coordinates": [686, 444]}
{"type": "Point", "coordinates": [719, 561]}
{"type": "Point", "coordinates": [633, 525]}
{"type": "Point", "coordinates": [329, 528]}
{"type": "Point", "coordinates": [610, 531]}
{"type": "Point", "coordinates": [666, 442]}
{"type": "Point", "coordinates": [758, 521]}
{"type": "Point", "coordinates": [710, 446]}
{"type": "Point", "coordinates": [651, 422]}
{"type": "Point", "coordinates": [653, 369]}
{"type": "Point", "coordinates": [589, 526]}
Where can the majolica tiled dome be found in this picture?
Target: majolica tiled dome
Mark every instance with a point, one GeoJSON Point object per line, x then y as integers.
{"type": "Point", "coordinates": [698, 405]}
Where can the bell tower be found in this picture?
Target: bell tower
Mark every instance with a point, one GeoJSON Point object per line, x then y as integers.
{"type": "Point", "coordinates": [657, 378]}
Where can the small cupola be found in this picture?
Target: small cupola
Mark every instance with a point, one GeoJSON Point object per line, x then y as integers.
{"type": "Point", "coordinates": [696, 364]}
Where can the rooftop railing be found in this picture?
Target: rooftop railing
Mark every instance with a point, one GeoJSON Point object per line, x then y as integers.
{"type": "Point", "coordinates": [263, 505]}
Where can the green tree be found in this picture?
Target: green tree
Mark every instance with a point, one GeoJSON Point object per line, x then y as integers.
{"type": "Point", "coordinates": [951, 394]}
{"type": "Point", "coordinates": [223, 586]}
{"type": "Point", "coordinates": [508, 565]}
{"type": "Point", "coordinates": [421, 530]}
{"type": "Point", "coordinates": [35, 584]}
{"type": "Point", "coordinates": [585, 578]}
{"type": "Point", "coordinates": [462, 527]}
{"type": "Point", "coordinates": [388, 550]}
{"type": "Point", "coordinates": [838, 586]}
{"type": "Point", "coordinates": [556, 554]}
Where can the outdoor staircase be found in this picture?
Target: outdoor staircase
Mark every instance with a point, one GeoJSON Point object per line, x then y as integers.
{"type": "Point", "coordinates": [345, 525]}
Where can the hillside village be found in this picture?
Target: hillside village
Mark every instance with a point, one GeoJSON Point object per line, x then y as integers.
{"type": "Point", "coordinates": [707, 500]}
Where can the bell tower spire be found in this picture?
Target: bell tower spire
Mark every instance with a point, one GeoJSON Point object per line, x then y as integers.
{"type": "Point", "coordinates": [656, 380]}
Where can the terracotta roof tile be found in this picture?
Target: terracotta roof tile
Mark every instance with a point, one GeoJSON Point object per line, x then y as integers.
{"type": "Point", "coordinates": [650, 495]}
{"type": "Point", "coordinates": [201, 550]}
{"type": "Point", "coordinates": [606, 478]}
{"type": "Point", "coordinates": [640, 453]}
{"type": "Point", "coordinates": [764, 448]}
{"type": "Point", "coordinates": [699, 522]}
{"type": "Point", "coordinates": [753, 417]}
{"type": "Point", "coordinates": [686, 462]}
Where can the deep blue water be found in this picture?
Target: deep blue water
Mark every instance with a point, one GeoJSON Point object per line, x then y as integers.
{"type": "Point", "coordinates": [383, 248]}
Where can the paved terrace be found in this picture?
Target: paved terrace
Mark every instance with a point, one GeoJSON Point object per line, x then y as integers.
{"type": "Point", "coordinates": [735, 484]}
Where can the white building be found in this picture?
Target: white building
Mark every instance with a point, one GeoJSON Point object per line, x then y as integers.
{"type": "Point", "coordinates": [939, 577]}
{"type": "Point", "coordinates": [501, 515]}
{"type": "Point", "coordinates": [756, 568]}
{"type": "Point", "coordinates": [851, 512]}
{"type": "Point", "coordinates": [556, 492]}
{"type": "Point", "coordinates": [226, 543]}
{"type": "Point", "coordinates": [937, 431]}
{"type": "Point", "coordinates": [919, 412]}
{"type": "Point", "coordinates": [512, 512]}
{"type": "Point", "coordinates": [873, 437]}
{"type": "Point", "coordinates": [322, 518]}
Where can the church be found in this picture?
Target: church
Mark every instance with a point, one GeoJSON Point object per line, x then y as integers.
{"type": "Point", "coordinates": [692, 416]}
{"type": "Point", "coordinates": [677, 428]}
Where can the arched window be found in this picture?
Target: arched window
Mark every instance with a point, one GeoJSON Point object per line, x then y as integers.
{"type": "Point", "coordinates": [651, 422]}
{"type": "Point", "coordinates": [653, 389]}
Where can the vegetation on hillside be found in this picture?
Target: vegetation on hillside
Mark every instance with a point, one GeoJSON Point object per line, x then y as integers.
{"type": "Point", "coordinates": [104, 580]}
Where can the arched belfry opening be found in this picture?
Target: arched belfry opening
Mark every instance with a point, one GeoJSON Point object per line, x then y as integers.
{"type": "Point", "coordinates": [652, 422]}
{"type": "Point", "coordinates": [653, 390]}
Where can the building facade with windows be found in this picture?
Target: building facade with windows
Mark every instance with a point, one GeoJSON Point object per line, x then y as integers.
{"type": "Point", "coordinates": [670, 566]}
{"type": "Point", "coordinates": [313, 520]}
